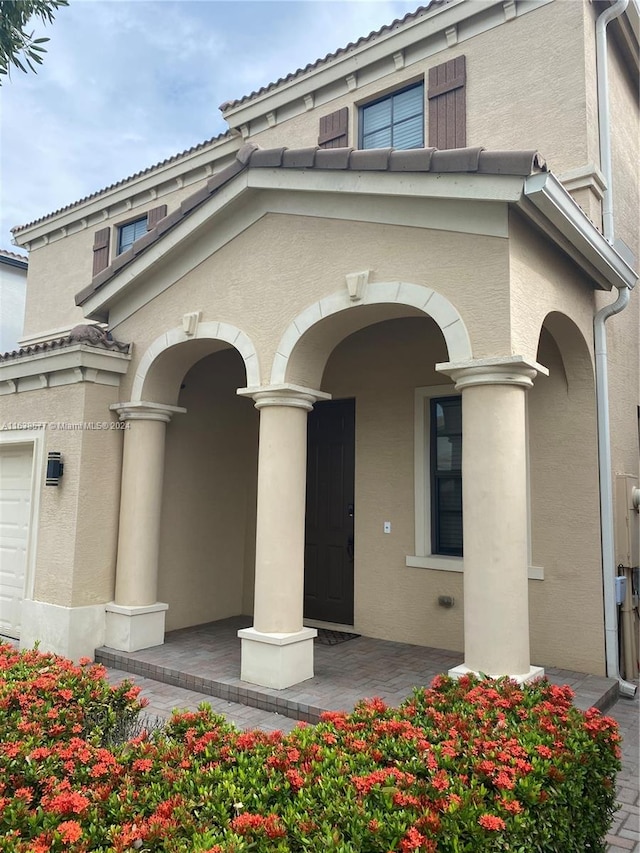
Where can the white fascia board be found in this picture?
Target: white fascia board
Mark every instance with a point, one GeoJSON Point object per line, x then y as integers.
{"type": "Point", "coordinates": [66, 358]}
{"type": "Point", "coordinates": [548, 195]}
{"type": "Point", "coordinates": [459, 186]}
{"type": "Point", "coordinates": [98, 207]}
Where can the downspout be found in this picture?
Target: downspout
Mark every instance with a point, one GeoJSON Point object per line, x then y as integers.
{"type": "Point", "coordinates": [600, 336]}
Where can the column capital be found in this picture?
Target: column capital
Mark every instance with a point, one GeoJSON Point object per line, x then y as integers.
{"type": "Point", "coordinates": [141, 411]}
{"type": "Point", "coordinates": [296, 396]}
{"type": "Point", "coordinates": [504, 370]}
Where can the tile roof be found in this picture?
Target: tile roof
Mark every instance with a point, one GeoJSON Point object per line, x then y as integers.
{"type": "Point", "coordinates": [471, 160]}
{"type": "Point", "coordinates": [387, 28]}
{"type": "Point", "coordinates": [172, 159]}
{"type": "Point", "coordinates": [60, 343]}
{"type": "Point", "coordinates": [13, 257]}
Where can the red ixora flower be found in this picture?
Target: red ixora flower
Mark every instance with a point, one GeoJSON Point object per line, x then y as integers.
{"type": "Point", "coordinates": [492, 822]}
{"type": "Point", "coordinates": [70, 831]}
{"type": "Point", "coordinates": [66, 802]}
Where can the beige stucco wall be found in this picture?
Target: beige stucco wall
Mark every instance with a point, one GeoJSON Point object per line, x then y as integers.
{"type": "Point", "coordinates": [208, 513]}
{"type": "Point", "coordinates": [538, 102]}
{"type": "Point", "coordinates": [278, 267]}
{"type": "Point", "coordinates": [565, 534]}
{"type": "Point", "coordinates": [76, 538]}
{"type": "Point", "coordinates": [63, 267]}
{"type": "Point", "coordinates": [543, 280]}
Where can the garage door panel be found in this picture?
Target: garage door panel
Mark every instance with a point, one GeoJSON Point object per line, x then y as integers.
{"type": "Point", "coordinates": [15, 510]}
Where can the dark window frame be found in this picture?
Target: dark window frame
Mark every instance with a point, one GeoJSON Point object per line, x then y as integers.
{"type": "Point", "coordinates": [437, 476]}
{"type": "Point", "coordinates": [122, 225]}
{"type": "Point", "coordinates": [389, 96]}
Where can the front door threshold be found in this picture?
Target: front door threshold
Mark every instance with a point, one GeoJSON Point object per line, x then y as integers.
{"type": "Point", "coordinates": [330, 626]}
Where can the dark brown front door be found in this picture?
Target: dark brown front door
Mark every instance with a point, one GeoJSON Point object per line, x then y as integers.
{"type": "Point", "coordinates": [329, 548]}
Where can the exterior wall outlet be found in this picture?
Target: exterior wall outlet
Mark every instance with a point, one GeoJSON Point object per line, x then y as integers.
{"type": "Point", "coordinates": [386, 527]}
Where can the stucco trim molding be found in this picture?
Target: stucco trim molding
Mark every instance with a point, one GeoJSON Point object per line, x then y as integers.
{"type": "Point", "coordinates": [432, 303]}
{"type": "Point", "coordinates": [215, 331]}
{"type": "Point", "coordinates": [503, 370]}
{"type": "Point", "coordinates": [285, 394]}
{"type": "Point", "coordinates": [67, 366]}
{"type": "Point", "coordinates": [142, 411]}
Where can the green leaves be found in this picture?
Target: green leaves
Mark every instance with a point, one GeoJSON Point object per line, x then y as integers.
{"type": "Point", "coordinates": [18, 47]}
{"type": "Point", "coordinates": [468, 766]}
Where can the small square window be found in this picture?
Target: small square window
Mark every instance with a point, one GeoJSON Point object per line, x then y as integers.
{"type": "Point", "coordinates": [129, 233]}
{"type": "Point", "coordinates": [395, 121]}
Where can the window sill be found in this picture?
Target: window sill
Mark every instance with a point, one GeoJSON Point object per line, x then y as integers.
{"type": "Point", "coordinates": [441, 563]}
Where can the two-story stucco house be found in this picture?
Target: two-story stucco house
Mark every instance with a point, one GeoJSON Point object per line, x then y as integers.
{"type": "Point", "coordinates": [357, 372]}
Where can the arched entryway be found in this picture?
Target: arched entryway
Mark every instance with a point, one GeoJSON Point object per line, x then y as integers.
{"type": "Point", "coordinates": [563, 466]}
{"type": "Point", "coordinates": [187, 514]}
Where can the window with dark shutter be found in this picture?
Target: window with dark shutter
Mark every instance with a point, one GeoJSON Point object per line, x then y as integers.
{"type": "Point", "coordinates": [395, 121]}
{"type": "Point", "coordinates": [334, 129]}
{"type": "Point", "coordinates": [101, 250]}
{"type": "Point", "coordinates": [155, 215]}
{"type": "Point", "coordinates": [447, 104]}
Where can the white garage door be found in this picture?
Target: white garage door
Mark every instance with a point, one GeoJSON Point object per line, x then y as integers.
{"type": "Point", "coordinates": [15, 500]}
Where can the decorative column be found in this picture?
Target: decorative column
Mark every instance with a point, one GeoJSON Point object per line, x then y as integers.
{"type": "Point", "coordinates": [135, 620]}
{"type": "Point", "coordinates": [495, 515]}
{"type": "Point", "coordinates": [278, 650]}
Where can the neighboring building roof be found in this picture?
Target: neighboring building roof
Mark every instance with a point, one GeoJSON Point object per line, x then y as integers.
{"type": "Point", "coordinates": [172, 159]}
{"type": "Point", "coordinates": [13, 260]}
{"type": "Point", "coordinates": [469, 160]}
{"type": "Point", "coordinates": [396, 24]}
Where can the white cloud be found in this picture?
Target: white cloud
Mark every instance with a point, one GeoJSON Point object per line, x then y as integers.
{"type": "Point", "coordinates": [128, 83]}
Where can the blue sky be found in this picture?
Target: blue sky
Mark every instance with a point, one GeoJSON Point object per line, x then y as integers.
{"type": "Point", "coordinates": [127, 83]}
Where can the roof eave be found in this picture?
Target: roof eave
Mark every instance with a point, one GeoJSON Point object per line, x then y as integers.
{"type": "Point", "coordinates": [547, 196]}
{"type": "Point", "coordinates": [456, 186]}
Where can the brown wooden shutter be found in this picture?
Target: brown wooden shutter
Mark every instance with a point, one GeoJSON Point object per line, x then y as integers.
{"type": "Point", "coordinates": [334, 129]}
{"type": "Point", "coordinates": [101, 250]}
{"type": "Point", "coordinates": [447, 104]}
{"type": "Point", "coordinates": [155, 215]}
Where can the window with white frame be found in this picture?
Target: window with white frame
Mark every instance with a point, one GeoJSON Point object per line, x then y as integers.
{"type": "Point", "coordinates": [394, 121]}
{"type": "Point", "coordinates": [437, 505]}
{"type": "Point", "coordinates": [129, 233]}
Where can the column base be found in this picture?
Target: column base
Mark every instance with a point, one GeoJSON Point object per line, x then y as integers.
{"type": "Point", "coordinates": [73, 632]}
{"type": "Point", "coordinates": [276, 660]}
{"type": "Point", "coordinates": [129, 629]}
{"type": "Point", "coordinates": [534, 673]}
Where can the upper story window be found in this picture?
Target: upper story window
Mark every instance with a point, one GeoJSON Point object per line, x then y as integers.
{"type": "Point", "coordinates": [129, 233]}
{"type": "Point", "coordinates": [125, 236]}
{"type": "Point", "coordinates": [395, 121]}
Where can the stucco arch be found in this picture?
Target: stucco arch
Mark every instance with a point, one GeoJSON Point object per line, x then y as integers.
{"type": "Point", "coordinates": [307, 342]}
{"type": "Point", "coordinates": [575, 351]}
{"type": "Point", "coordinates": [169, 357]}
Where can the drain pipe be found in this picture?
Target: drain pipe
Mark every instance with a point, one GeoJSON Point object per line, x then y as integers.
{"type": "Point", "coordinates": [600, 336]}
{"type": "Point", "coordinates": [606, 492]}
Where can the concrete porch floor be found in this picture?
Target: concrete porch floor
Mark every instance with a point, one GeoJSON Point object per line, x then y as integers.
{"type": "Point", "coordinates": [206, 659]}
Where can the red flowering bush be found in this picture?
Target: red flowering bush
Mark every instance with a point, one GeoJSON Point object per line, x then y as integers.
{"type": "Point", "coordinates": [462, 767]}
